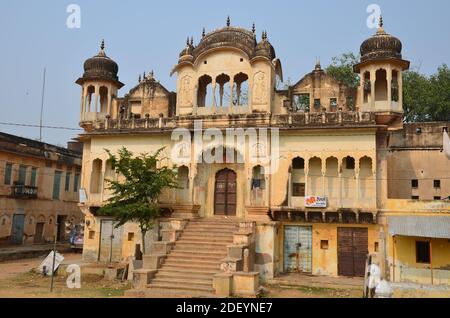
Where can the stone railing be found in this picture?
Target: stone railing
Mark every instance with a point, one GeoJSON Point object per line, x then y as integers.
{"type": "Point", "coordinates": [293, 120]}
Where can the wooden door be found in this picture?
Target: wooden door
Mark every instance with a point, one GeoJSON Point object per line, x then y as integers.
{"type": "Point", "coordinates": [352, 251]}
{"type": "Point", "coordinates": [110, 249]}
{"type": "Point", "coordinates": [225, 193]}
{"type": "Point", "coordinates": [39, 234]}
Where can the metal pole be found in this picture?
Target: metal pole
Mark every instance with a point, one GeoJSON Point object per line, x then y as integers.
{"type": "Point", "coordinates": [54, 257]}
{"type": "Point", "coordinates": [42, 107]}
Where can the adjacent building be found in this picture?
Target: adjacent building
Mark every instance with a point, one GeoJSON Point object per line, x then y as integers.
{"type": "Point", "coordinates": [39, 186]}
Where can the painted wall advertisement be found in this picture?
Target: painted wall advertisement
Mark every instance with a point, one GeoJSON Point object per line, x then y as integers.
{"type": "Point", "coordinates": [315, 202]}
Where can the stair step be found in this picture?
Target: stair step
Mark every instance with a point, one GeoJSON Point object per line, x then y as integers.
{"type": "Point", "coordinates": [175, 286]}
{"type": "Point", "coordinates": [200, 238]}
{"type": "Point", "coordinates": [207, 234]}
{"type": "Point", "coordinates": [196, 257]}
{"type": "Point", "coordinates": [183, 281]}
{"type": "Point", "coordinates": [167, 293]}
{"type": "Point", "coordinates": [199, 243]}
{"type": "Point", "coordinates": [182, 273]}
{"type": "Point", "coordinates": [183, 269]}
{"type": "Point", "coordinates": [178, 260]}
{"type": "Point", "coordinates": [193, 266]}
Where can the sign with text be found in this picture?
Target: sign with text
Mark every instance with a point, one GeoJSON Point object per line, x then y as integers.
{"type": "Point", "coordinates": [315, 202]}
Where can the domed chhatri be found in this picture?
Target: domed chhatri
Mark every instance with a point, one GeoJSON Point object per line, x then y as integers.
{"type": "Point", "coordinates": [381, 46]}
{"type": "Point", "coordinates": [230, 36]}
{"type": "Point", "coordinates": [100, 67]}
{"type": "Point", "coordinates": [264, 48]}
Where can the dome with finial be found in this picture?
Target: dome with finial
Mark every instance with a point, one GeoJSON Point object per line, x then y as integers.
{"type": "Point", "coordinates": [264, 48]}
{"type": "Point", "coordinates": [381, 46]}
{"type": "Point", "coordinates": [101, 66]}
{"type": "Point", "coordinates": [228, 36]}
{"type": "Point", "coordinates": [187, 53]}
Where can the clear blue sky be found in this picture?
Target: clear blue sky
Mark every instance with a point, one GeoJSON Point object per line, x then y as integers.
{"type": "Point", "coordinates": [145, 35]}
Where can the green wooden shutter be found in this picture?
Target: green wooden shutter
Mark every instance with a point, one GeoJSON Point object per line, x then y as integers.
{"type": "Point", "coordinates": [56, 185]}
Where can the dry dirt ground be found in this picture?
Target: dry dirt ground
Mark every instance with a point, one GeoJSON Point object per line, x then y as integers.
{"type": "Point", "coordinates": [18, 281]}
{"type": "Point", "coordinates": [309, 292]}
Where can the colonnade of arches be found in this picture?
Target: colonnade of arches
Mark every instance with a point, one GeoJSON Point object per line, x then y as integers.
{"type": "Point", "coordinates": [223, 90]}
{"type": "Point", "coordinates": [381, 85]}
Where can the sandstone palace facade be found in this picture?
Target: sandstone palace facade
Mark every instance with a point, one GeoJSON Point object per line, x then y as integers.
{"type": "Point", "coordinates": [345, 184]}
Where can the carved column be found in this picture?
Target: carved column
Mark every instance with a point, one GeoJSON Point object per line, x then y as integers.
{"type": "Point", "coordinates": [214, 95]}
{"type": "Point", "coordinates": [389, 86]}
{"type": "Point", "coordinates": [357, 183]}
{"type": "Point", "coordinates": [231, 93]}
{"type": "Point", "coordinates": [372, 89]}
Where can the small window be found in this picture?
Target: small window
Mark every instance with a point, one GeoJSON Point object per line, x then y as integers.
{"type": "Point", "coordinates": [376, 247]}
{"type": "Point", "coordinates": [300, 102]}
{"type": "Point", "coordinates": [317, 103]}
{"type": "Point", "coordinates": [67, 185]}
{"type": "Point", "coordinates": [22, 174]}
{"type": "Point", "coordinates": [333, 103]}
{"type": "Point", "coordinates": [76, 179]}
{"type": "Point", "coordinates": [437, 184]}
{"type": "Point", "coordinates": [324, 244]}
{"type": "Point", "coordinates": [298, 163]}
{"type": "Point", "coordinates": [205, 62]}
{"type": "Point", "coordinates": [415, 197]}
{"type": "Point", "coordinates": [423, 252]}
{"type": "Point", "coordinates": [130, 236]}
{"type": "Point", "coordinates": [8, 172]}
{"type": "Point", "coordinates": [350, 163]}
{"type": "Point", "coordinates": [437, 198]}
{"type": "Point", "coordinates": [91, 235]}
{"type": "Point", "coordinates": [242, 60]}
{"type": "Point", "coordinates": [298, 189]}
{"type": "Point", "coordinates": [33, 177]}
{"type": "Point", "coordinates": [414, 183]}
{"type": "Point", "coordinates": [3, 221]}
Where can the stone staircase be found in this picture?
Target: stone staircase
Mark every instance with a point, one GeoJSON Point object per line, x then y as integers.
{"type": "Point", "coordinates": [194, 260]}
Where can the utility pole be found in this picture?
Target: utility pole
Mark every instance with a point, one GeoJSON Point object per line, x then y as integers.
{"type": "Point", "coordinates": [42, 106]}
{"type": "Point", "coordinates": [54, 256]}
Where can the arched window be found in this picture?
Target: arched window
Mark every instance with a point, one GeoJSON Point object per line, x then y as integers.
{"type": "Point", "coordinates": [332, 177]}
{"type": "Point", "coordinates": [88, 102]}
{"type": "Point", "coordinates": [240, 90]}
{"type": "Point", "coordinates": [315, 176]}
{"type": "Point", "coordinates": [258, 181]}
{"type": "Point", "coordinates": [380, 85]}
{"type": "Point", "coordinates": [222, 95]}
{"type": "Point", "coordinates": [394, 86]}
{"type": "Point", "coordinates": [103, 100]}
{"type": "Point", "coordinates": [204, 90]}
{"type": "Point", "coordinates": [183, 177]}
{"type": "Point", "coordinates": [96, 176]}
{"type": "Point", "coordinates": [367, 86]}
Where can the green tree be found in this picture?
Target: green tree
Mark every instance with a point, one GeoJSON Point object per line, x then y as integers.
{"type": "Point", "coordinates": [135, 195]}
{"type": "Point", "coordinates": [341, 69]}
{"type": "Point", "coordinates": [426, 98]}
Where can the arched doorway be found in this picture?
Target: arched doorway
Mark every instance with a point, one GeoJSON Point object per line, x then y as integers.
{"type": "Point", "coordinates": [225, 193]}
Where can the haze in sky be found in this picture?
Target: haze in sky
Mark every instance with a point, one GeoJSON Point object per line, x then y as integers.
{"type": "Point", "coordinates": [148, 35]}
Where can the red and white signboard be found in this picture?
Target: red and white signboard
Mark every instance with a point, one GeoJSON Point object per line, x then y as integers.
{"type": "Point", "coordinates": [315, 202]}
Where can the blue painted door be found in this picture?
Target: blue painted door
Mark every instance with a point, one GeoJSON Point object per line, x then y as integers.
{"type": "Point", "coordinates": [17, 229]}
{"type": "Point", "coordinates": [298, 249]}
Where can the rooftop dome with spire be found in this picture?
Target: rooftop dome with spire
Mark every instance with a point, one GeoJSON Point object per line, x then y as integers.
{"type": "Point", "coordinates": [100, 66]}
{"type": "Point", "coordinates": [381, 46]}
{"type": "Point", "coordinates": [229, 36]}
{"type": "Point", "coordinates": [264, 48]}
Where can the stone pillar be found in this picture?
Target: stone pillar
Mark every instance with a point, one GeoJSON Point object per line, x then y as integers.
{"type": "Point", "coordinates": [214, 95]}
{"type": "Point", "coordinates": [96, 94]}
{"type": "Point", "coordinates": [108, 107]}
{"type": "Point", "coordinates": [231, 93]}
{"type": "Point", "coordinates": [372, 89]}
{"type": "Point", "coordinates": [360, 101]}
{"type": "Point", "coordinates": [290, 188]}
{"type": "Point", "coordinates": [357, 184]}
{"type": "Point", "coordinates": [323, 178]}
{"type": "Point", "coordinates": [306, 176]}
{"type": "Point", "coordinates": [340, 182]}
{"type": "Point", "coordinates": [400, 89]}
{"type": "Point", "coordinates": [389, 86]}
{"type": "Point", "coordinates": [83, 101]}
